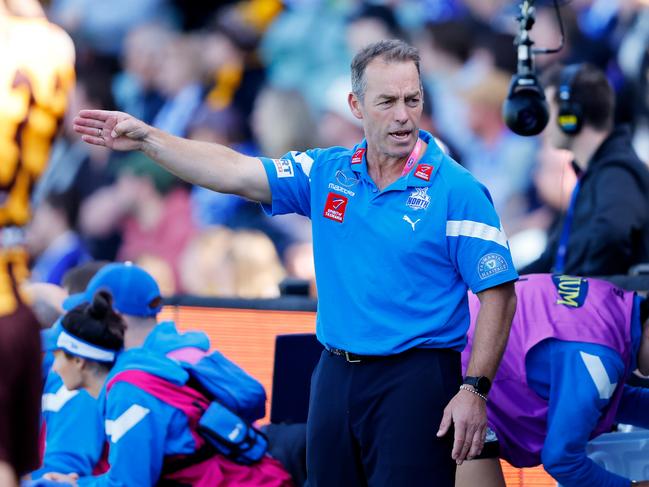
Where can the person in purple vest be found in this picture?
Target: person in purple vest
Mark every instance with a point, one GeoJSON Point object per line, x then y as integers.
{"type": "Point", "coordinates": [573, 343]}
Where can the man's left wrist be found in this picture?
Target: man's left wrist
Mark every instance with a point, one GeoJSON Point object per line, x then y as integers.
{"type": "Point", "coordinates": [471, 389]}
{"type": "Point", "coordinates": [481, 384]}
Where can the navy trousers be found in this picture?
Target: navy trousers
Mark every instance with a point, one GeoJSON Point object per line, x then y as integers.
{"type": "Point", "coordinates": [374, 423]}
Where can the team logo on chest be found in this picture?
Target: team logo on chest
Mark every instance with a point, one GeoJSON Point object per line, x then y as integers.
{"type": "Point", "coordinates": [335, 207]}
{"type": "Point", "coordinates": [419, 199]}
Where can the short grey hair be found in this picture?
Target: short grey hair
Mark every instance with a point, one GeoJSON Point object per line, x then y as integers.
{"type": "Point", "coordinates": [392, 50]}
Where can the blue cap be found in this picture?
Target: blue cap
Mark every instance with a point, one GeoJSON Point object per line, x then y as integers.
{"type": "Point", "coordinates": [50, 335]}
{"type": "Point", "coordinates": [134, 291]}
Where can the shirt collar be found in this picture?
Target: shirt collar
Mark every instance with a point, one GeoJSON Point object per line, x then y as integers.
{"type": "Point", "coordinates": [422, 173]}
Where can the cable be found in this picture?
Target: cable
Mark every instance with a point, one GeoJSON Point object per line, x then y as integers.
{"type": "Point", "coordinates": [545, 50]}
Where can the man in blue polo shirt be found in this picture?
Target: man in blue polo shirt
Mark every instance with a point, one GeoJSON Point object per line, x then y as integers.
{"type": "Point", "coordinates": [400, 232]}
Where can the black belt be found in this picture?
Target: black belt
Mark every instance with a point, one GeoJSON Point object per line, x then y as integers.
{"type": "Point", "coordinates": [354, 358]}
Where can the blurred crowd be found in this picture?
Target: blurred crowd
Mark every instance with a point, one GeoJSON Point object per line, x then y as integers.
{"type": "Point", "coordinates": [267, 77]}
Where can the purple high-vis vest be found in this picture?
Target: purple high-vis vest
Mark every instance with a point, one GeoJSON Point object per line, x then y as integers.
{"type": "Point", "coordinates": [562, 307]}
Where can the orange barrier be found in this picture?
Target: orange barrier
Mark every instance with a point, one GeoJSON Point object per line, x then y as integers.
{"type": "Point", "coordinates": [247, 337]}
{"type": "Point", "coordinates": [526, 477]}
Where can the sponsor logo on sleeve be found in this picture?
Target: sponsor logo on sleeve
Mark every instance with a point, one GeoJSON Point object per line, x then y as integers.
{"type": "Point", "coordinates": [491, 264]}
{"type": "Point", "coordinates": [284, 168]}
{"type": "Point", "coordinates": [335, 207]}
{"type": "Point", "coordinates": [418, 199]}
{"type": "Point", "coordinates": [424, 171]}
{"type": "Point", "coordinates": [357, 158]}
{"type": "Point", "coordinates": [572, 290]}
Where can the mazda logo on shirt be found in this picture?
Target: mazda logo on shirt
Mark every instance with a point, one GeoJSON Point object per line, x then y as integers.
{"type": "Point", "coordinates": [345, 180]}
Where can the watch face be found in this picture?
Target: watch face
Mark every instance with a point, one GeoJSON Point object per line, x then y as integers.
{"type": "Point", "coordinates": [483, 384]}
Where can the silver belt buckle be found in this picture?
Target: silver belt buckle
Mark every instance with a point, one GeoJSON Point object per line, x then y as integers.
{"type": "Point", "coordinates": [348, 358]}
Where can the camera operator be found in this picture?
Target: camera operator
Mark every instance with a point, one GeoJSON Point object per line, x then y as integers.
{"type": "Point", "coordinates": [605, 230]}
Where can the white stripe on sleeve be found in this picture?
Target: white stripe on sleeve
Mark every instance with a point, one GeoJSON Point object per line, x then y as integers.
{"type": "Point", "coordinates": [117, 428]}
{"type": "Point", "coordinates": [597, 372]}
{"type": "Point", "coordinates": [468, 228]}
{"type": "Point", "coordinates": [304, 160]}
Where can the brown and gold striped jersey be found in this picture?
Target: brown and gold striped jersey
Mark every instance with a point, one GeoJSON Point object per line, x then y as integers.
{"type": "Point", "coordinates": [36, 76]}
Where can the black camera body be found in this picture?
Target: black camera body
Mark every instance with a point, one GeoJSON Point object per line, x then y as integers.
{"type": "Point", "coordinates": [525, 110]}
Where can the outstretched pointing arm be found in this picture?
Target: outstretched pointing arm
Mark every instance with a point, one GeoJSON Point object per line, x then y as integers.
{"type": "Point", "coordinates": [212, 166]}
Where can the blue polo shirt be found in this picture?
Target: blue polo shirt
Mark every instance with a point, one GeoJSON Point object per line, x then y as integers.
{"type": "Point", "coordinates": [392, 266]}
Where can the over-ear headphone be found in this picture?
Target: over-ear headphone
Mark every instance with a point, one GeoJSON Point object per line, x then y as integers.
{"type": "Point", "coordinates": [570, 117]}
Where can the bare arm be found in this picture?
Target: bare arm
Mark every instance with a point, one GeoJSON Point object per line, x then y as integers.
{"type": "Point", "coordinates": [466, 411]}
{"type": "Point", "coordinates": [212, 166]}
{"type": "Point", "coordinates": [497, 307]}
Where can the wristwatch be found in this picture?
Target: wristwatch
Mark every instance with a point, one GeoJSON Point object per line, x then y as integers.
{"type": "Point", "coordinates": [481, 384]}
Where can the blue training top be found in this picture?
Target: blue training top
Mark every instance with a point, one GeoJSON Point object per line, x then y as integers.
{"type": "Point", "coordinates": [392, 266]}
{"type": "Point", "coordinates": [143, 429]}
{"type": "Point", "coordinates": [74, 429]}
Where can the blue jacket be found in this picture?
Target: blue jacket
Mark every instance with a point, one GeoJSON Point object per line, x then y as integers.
{"type": "Point", "coordinates": [74, 429]}
{"type": "Point", "coordinates": [164, 338]}
{"type": "Point", "coordinates": [142, 429]}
